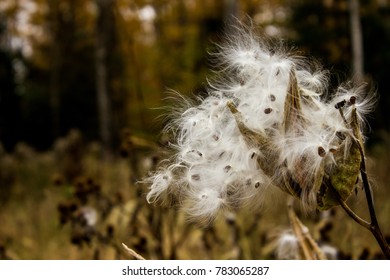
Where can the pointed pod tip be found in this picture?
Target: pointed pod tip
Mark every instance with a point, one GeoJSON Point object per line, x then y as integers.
{"type": "Point", "coordinates": [232, 107]}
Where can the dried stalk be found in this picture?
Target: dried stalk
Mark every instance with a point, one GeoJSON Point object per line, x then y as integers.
{"type": "Point", "coordinates": [132, 253]}
{"type": "Point", "coordinates": [308, 246]}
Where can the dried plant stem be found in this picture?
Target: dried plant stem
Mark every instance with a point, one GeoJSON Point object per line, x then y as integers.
{"type": "Point", "coordinates": [352, 214]}
{"type": "Point", "coordinates": [131, 252]}
{"type": "Point", "coordinates": [372, 226]}
{"type": "Point", "coordinates": [309, 247]}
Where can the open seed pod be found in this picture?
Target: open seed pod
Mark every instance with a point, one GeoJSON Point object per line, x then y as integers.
{"type": "Point", "coordinates": [266, 121]}
{"type": "Point", "coordinates": [340, 177]}
{"type": "Point", "coordinates": [338, 169]}
{"type": "Point", "coordinates": [343, 178]}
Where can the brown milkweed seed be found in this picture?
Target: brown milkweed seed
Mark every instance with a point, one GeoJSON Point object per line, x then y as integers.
{"type": "Point", "coordinates": [321, 151]}
{"type": "Point", "coordinates": [227, 168]}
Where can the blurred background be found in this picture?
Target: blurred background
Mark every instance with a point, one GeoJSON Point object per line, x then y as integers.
{"type": "Point", "coordinates": [82, 84]}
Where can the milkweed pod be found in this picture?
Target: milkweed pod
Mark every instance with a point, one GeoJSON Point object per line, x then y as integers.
{"type": "Point", "coordinates": [344, 176]}
{"type": "Point", "coordinates": [293, 115]}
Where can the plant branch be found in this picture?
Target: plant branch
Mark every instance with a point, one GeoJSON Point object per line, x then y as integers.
{"type": "Point", "coordinates": [374, 225]}
{"type": "Point", "coordinates": [131, 252]}
{"type": "Point", "coordinates": [350, 212]}
{"type": "Point", "coordinates": [366, 185]}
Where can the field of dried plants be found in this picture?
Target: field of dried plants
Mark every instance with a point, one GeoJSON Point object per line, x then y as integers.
{"type": "Point", "coordinates": [68, 203]}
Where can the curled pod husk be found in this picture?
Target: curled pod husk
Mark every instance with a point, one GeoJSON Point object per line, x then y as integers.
{"type": "Point", "coordinates": [345, 174]}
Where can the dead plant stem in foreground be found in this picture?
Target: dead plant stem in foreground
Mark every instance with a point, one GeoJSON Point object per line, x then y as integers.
{"type": "Point", "coordinates": [132, 253]}
{"type": "Point", "coordinates": [309, 248]}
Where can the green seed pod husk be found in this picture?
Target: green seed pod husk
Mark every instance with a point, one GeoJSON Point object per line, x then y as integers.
{"type": "Point", "coordinates": [345, 175]}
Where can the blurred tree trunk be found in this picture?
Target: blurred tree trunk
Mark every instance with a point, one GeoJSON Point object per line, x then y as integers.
{"type": "Point", "coordinates": [356, 40]}
{"type": "Point", "coordinates": [54, 87]}
{"type": "Point", "coordinates": [103, 101]}
{"type": "Point", "coordinates": [231, 10]}
{"type": "Point", "coordinates": [230, 15]}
